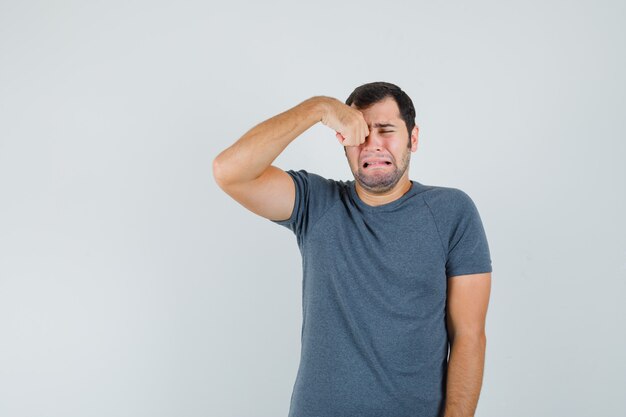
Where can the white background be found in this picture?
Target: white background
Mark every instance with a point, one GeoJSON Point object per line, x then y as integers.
{"type": "Point", "coordinates": [131, 285]}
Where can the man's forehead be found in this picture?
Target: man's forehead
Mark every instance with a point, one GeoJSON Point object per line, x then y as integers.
{"type": "Point", "coordinates": [385, 113]}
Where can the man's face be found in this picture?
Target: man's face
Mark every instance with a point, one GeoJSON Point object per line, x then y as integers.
{"type": "Point", "coordinates": [382, 160]}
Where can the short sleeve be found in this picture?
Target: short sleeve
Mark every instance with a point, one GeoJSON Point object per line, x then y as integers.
{"type": "Point", "coordinates": [314, 194]}
{"type": "Point", "coordinates": [468, 249]}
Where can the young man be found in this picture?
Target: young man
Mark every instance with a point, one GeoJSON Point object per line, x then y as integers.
{"type": "Point", "coordinates": [394, 271]}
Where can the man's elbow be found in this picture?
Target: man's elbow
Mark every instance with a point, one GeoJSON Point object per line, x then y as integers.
{"type": "Point", "coordinates": [477, 338]}
{"type": "Point", "coordinates": [219, 172]}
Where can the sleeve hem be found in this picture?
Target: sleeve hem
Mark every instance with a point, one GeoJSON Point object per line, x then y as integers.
{"type": "Point", "coordinates": [468, 271]}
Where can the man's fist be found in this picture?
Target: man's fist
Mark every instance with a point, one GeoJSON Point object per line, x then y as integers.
{"type": "Point", "coordinates": [348, 123]}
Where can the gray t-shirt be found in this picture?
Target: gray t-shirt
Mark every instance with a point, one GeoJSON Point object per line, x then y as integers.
{"type": "Point", "coordinates": [374, 339]}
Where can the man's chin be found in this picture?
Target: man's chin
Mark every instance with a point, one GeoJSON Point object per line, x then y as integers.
{"type": "Point", "coordinates": [377, 183]}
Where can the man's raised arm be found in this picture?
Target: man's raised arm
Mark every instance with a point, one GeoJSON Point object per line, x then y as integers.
{"type": "Point", "coordinates": [244, 169]}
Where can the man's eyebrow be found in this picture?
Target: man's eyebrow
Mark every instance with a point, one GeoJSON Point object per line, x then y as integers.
{"type": "Point", "coordinates": [377, 125]}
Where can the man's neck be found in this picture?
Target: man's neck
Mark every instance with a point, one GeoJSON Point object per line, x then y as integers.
{"type": "Point", "coordinates": [373, 199]}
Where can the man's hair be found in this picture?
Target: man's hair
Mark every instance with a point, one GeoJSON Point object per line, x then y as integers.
{"type": "Point", "coordinates": [368, 94]}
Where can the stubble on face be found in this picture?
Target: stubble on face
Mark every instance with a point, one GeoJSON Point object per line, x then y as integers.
{"type": "Point", "coordinates": [382, 180]}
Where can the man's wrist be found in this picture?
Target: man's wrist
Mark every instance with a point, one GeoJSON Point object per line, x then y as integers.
{"type": "Point", "coordinates": [320, 106]}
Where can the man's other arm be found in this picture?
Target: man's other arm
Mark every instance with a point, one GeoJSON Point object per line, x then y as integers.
{"type": "Point", "coordinates": [244, 169]}
{"type": "Point", "coordinates": [468, 298]}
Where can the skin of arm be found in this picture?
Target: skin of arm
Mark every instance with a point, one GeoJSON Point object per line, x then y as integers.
{"type": "Point", "coordinates": [244, 170]}
{"type": "Point", "coordinates": [468, 298]}
{"type": "Point", "coordinates": [249, 157]}
{"type": "Point", "coordinates": [254, 152]}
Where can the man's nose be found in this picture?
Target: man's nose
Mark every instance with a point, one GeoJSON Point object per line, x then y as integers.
{"type": "Point", "coordinates": [373, 141]}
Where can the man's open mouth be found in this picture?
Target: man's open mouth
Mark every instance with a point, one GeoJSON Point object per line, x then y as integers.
{"type": "Point", "coordinates": [376, 163]}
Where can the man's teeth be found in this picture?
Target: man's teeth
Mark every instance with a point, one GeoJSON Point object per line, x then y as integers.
{"type": "Point", "coordinates": [376, 163]}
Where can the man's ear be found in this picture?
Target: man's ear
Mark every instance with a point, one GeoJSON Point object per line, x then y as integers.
{"type": "Point", "coordinates": [414, 135]}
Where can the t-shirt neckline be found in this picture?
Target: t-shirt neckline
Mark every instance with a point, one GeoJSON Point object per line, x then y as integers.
{"type": "Point", "coordinates": [383, 207]}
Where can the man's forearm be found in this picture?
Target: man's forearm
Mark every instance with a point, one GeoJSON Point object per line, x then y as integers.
{"type": "Point", "coordinates": [465, 375]}
{"type": "Point", "coordinates": [255, 151]}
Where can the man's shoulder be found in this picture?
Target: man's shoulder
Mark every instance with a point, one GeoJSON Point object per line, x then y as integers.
{"type": "Point", "coordinates": [441, 192]}
{"type": "Point", "coordinates": [444, 199]}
